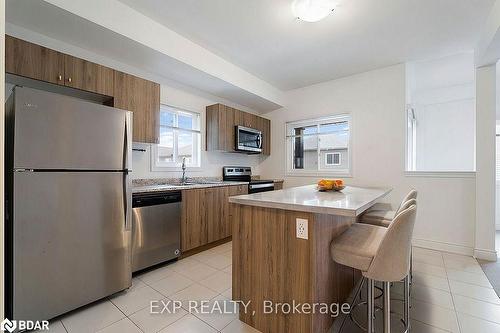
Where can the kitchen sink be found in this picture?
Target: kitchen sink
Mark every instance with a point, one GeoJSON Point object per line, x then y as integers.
{"type": "Point", "coordinates": [202, 182]}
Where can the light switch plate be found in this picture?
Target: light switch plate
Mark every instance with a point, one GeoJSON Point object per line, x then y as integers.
{"type": "Point", "coordinates": [301, 228]}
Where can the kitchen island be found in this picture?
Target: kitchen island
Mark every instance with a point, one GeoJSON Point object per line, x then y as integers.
{"type": "Point", "coordinates": [271, 265]}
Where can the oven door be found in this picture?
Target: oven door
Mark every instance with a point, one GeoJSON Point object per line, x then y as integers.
{"type": "Point", "coordinates": [248, 140]}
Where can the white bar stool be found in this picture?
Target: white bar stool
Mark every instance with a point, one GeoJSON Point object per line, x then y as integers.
{"type": "Point", "coordinates": [381, 254]}
{"type": "Point", "coordinates": [382, 217]}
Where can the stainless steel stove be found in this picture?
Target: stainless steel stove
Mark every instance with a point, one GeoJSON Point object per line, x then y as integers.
{"type": "Point", "coordinates": [244, 174]}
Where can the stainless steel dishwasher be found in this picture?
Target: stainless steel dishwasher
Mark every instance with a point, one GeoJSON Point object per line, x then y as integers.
{"type": "Point", "coordinates": [156, 228]}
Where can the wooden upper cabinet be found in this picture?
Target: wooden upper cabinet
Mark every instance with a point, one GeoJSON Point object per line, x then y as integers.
{"type": "Point", "coordinates": [129, 92]}
{"type": "Point", "coordinates": [143, 98]}
{"type": "Point", "coordinates": [266, 136]}
{"type": "Point", "coordinates": [88, 76]}
{"type": "Point", "coordinates": [33, 61]}
{"type": "Point", "coordinates": [220, 130]}
{"type": "Point", "coordinates": [220, 127]}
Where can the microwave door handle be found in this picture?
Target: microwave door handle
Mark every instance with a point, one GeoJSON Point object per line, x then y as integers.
{"type": "Point", "coordinates": [259, 141]}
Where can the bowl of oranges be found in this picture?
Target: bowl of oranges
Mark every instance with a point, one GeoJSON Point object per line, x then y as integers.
{"type": "Point", "coordinates": [330, 185]}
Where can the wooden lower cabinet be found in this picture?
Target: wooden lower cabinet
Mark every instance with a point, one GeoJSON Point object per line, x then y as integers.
{"type": "Point", "coordinates": [217, 213]}
{"type": "Point", "coordinates": [194, 230]}
{"type": "Point", "coordinates": [207, 215]}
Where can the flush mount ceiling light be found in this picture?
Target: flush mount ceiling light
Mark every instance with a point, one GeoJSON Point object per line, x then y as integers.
{"type": "Point", "coordinates": [312, 10]}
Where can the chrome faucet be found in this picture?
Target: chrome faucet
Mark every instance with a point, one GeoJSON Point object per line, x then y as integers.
{"type": "Point", "coordinates": [183, 179]}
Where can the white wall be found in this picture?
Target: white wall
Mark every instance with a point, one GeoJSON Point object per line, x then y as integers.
{"type": "Point", "coordinates": [485, 162]}
{"type": "Point", "coordinates": [376, 101]}
{"type": "Point", "coordinates": [211, 162]}
{"type": "Point", "coordinates": [442, 95]}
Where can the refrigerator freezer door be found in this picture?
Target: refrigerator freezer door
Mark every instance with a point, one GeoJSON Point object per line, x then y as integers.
{"type": "Point", "coordinates": [59, 132]}
{"type": "Point", "coordinates": [71, 244]}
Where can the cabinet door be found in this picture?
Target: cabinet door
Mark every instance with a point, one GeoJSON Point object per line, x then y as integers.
{"type": "Point", "coordinates": [233, 211]}
{"type": "Point", "coordinates": [143, 98]}
{"type": "Point", "coordinates": [217, 213]}
{"type": "Point", "coordinates": [266, 136]}
{"type": "Point", "coordinates": [33, 61]}
{"type": "Point", "coordinates": [194, 230]}
{"type": "Point", "coordinates": [88, 76]}
{"type": "Point", "coordinates": [250, 120]}
{"type": "Point", "coordinates": [212, 127]}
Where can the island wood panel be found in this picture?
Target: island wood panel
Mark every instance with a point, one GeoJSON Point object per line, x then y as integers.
{"type": "Point", "coordinates": [33, 61]}
{"type": "Point", "coordinates": [333, 281]}
{"type": "Point", "coordinates": [270, 263]}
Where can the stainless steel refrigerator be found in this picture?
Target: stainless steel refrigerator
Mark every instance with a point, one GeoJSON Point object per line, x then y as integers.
{"type": "Point", "coordinates": [68, 203]}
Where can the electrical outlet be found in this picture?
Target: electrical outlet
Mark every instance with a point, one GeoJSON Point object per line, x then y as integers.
{"type": "Point", "coordinates": [301, 228]}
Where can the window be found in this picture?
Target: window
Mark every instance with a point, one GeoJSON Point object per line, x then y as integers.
{"type": "Point", "coordinates": [332, 159]}
{"type": "Point", "coordinates": [440, 116]}
{"type": "Point", "coordinates": [319, 146]}
{"type": "Point", "coordinates": [179, 139]}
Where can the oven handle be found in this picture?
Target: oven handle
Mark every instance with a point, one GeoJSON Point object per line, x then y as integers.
{"type": "Point", "coordinates": [255, 186]}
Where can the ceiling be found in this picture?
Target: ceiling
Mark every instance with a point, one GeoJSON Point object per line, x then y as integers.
{"type": "Point", "coordinates": [263, 37]}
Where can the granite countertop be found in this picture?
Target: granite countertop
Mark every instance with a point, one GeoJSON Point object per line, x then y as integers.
{"type": "Point", "coordinates": [352, 201]}
{"type": "Point", "coordinates": [173, 184]}
{"type": "Point", "coordinates": [138, 188]}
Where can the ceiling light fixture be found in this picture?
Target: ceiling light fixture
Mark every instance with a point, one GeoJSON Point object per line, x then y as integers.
{"type": "Point", "coordinates": [312, 10]}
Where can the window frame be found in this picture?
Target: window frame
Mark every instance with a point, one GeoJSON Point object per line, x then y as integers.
{"type": "Point", "coordinates": [411, 154]}
{"type": "Point", "coordinates": [333, 158]}
{"type": "Point", "coordinates": [289, 126]}
{"type": "Point", "coordinates": [156, 165]}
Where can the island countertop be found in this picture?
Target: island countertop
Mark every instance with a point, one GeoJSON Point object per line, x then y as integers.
{"type": "Point", "coordinates": [351, 201]}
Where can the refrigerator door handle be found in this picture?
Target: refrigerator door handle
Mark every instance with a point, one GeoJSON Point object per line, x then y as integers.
{"type": "Point", "coordinates": [127, 147]}
{"type": "Point", "coordinates": [127, 200]}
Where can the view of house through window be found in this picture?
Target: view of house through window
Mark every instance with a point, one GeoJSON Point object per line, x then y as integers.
{"type": "Point", "coordinates": [179, 138]}
{"type": "Point", "coordinates": [319, 145]}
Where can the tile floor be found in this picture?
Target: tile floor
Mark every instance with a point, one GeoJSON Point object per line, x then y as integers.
{"type": "Point", "coordinates": [450, 294]}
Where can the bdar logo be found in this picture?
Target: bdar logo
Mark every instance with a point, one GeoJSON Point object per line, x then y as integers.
{"type": "Point", "coordinates": [7, 325]}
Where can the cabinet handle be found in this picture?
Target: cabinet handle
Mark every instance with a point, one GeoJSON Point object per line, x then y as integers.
{"type": "Point", "coordinates": [69, 80]}
{"type": "Point", "coordinates": [59, 78]}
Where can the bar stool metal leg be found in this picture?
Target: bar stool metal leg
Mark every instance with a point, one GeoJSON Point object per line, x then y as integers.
{"type": "Point", "coordinates": [387, 307]}
{"type": "Point", "coordinates": [406, 303]}
{"type": "Point", "coordinates": [370, 323]}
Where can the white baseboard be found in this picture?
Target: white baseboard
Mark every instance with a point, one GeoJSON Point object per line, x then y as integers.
{"type": "Point", "coordinates": [485, 254]}
{"type": "Point", "coordinates": [443, 246]}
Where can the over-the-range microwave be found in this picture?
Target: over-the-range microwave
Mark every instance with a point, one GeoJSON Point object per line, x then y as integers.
{"type": "Point", "coordinates": [248, 140]}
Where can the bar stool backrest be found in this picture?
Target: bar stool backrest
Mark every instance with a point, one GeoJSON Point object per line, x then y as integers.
{"type": "Point", "coordinates": [406, 205]}
{"type": "Point", "coordinates": [392, 260]}
{"type": "Point", "coordinates": [411, 195]}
